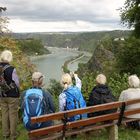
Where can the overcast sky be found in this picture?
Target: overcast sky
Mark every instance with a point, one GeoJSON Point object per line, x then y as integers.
{"type": "Point", "coordinates": [62, 15]}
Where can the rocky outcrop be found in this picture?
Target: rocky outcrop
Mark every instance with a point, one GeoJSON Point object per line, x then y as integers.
{"type": "Point", "coordinates": [102, 60]}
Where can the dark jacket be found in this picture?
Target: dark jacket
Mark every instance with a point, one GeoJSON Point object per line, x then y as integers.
{"type": "Point", "coordinates": [100, 94]}
{"type": "Point", "coordinates": [94, 98]}
{"type": "Point", "coordinates": [14, 92]}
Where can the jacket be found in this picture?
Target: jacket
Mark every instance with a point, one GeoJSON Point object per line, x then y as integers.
{"type": "Point", "coordinates": [10, 75]}
{"type": "Point", "coordinates": [131, 93]}
{"type": "Point", "coordinates": [96, 91]}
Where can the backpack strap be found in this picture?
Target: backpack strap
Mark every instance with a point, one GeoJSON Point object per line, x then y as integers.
{"type": "Point", "coordinates": [5, 67]}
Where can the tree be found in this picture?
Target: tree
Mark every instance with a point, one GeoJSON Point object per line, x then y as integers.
{"type": "Point", "coordinates": [3, 21]}
{"type": "Point", "coordinates": [130, 15]}
{"type": "Point", "coordinates": [129, 56]}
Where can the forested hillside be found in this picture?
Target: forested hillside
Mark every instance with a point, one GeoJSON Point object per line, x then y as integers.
{"type": "Point", "coordinates": [83, 41]}
{"type": "Point", "coordinates": [32, 47]}
{"type": "Point", "coordinates": [117, 59]}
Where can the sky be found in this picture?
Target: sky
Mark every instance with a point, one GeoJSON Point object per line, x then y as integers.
{"type": "Point", "coordinates": [62, 15]}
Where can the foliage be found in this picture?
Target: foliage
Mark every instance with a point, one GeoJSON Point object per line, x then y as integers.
{"type": "Point", "coordinates": [88, 82]}
{"type": "Point", "coordinates": [128, 58]}
{"type": "Point", "coordinates": [82, 41]}
{"type": "Point", "coordinates": [3, 21]}
{"type": "Point", "coordinates": [118, 83]}
{"type": "Point", "coordinates": [32, 47]}
{"type": "Point", "coordinates": [55, 89]}
{"type": "Point", "coordinates": [20, 61]}
{"type": "Point", "coordinates": [130, 15]}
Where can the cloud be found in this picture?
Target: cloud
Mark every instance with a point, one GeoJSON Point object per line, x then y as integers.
{"type": "Point", "coordinates": [56, 12]}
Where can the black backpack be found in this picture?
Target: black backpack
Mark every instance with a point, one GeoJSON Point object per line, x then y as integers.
{"type": "Point", "coordinates": [102, 98]}
{"type": "Point", "coordinates": [3, 83]}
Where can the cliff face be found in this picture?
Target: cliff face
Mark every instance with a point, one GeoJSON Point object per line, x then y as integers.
{"type": "Point", "coordinates": [101, 61]}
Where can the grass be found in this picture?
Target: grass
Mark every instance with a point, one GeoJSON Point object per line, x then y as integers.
{"type": "Point", "coordinates": [124, 134]}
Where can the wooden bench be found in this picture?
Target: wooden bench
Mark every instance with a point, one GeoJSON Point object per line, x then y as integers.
{"type": "Point", "coordinates": [65, 129]}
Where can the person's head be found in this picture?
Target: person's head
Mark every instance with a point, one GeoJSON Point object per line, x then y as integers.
{"type": "Point", "coordinates": [37, 79]}
{"type": "Point", "coordinates": [101, 79]}
{"type": "Point", "coordinates": [6, 56]}
{"type": "Point", "coordinates": [66, 80]}
{"type": "Point", "coordinates": [134, 81]}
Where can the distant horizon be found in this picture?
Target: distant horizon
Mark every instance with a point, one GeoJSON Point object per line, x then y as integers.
{"type": "Point", "coordinates": [76, 31]}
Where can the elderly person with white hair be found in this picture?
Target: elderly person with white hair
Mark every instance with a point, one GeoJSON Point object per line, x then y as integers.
{"type": "Point", "coordinates": [102, 94]}
{"type": "Point", "coordinates": [133, 92]}
{"type": "Point", "coordinates": [9, 98]}
{"type": "Point", "coordinates": [99, 93]}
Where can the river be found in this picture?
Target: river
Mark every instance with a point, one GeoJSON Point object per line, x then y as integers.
{"type": "Point", "coordinates": [51, 65]}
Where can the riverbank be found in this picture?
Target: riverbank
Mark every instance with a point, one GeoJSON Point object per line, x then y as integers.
{"type": "Point", "coordinates": [36, 57]}
{"type": "Point", "coordinates": [65, 66]}
{"type": "Point", "coordinates": [51, 65]}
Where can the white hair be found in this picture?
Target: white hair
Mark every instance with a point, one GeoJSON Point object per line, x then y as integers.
{"type": "Point", "coordinates": [134, 81]}
{"type": "Point", "coordinates": [101, 79]}
{"type": "Point", "coordinates": [66, 80]}
{"type": "Point", "coordinates": [6, 56]}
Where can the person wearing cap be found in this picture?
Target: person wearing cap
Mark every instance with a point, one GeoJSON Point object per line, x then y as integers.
{"type": "Point", "coordinates": [9, 97]}
{"type": "Point", "coordinates": [37, 83]}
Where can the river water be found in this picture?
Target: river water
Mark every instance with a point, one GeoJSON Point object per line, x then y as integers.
{"type": "Point", "coordinates": [51, 65]}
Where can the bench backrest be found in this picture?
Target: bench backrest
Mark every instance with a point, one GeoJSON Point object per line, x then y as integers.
{"type": "Point", "coordinates": [65, 126]}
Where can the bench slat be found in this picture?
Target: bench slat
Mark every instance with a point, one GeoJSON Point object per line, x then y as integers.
{"type": "Point", "coordinates": [70, 113]}
{"type": "Point", "coordinates": [60, 115]}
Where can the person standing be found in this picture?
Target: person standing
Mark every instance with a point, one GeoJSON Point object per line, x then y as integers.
{"type": "Point", "coordinates": [9, 99]}
{"type": "Point", "coordinates": [35, 102]}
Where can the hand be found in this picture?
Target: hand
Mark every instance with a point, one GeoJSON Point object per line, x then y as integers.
{"type": "Point", "coordinates": [75, 75]}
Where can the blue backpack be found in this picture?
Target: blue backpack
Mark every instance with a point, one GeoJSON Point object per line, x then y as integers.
{"type": "Point", "coordinates": [74, 100]}
{"type": "Point", "coordinates": [33, 106]}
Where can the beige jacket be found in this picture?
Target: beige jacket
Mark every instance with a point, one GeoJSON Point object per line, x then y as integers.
{"type": "Point", "coordinates": [129, 94]}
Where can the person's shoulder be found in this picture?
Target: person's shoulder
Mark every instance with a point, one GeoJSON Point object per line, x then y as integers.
{"type": "Point", "coordinates": [46, 93]}
{"type": "Point", "coordinates": [62, 95]}
{"type": "Point", "coordinates": [125, 92]}
{"type": "Point", "coordinates": [9, 66]}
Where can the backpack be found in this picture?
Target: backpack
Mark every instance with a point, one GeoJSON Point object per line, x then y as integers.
{"type": "Point", "coordinates": [3, 84]}
{"type": "Point", "coordinates": [74, 100]}
{"type": "Point", "coordinates": [33, 106]}
{"type": "Point", "coordinates": [102, 98]}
